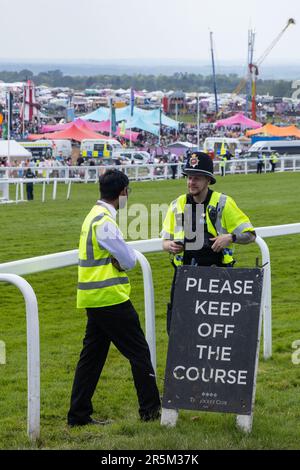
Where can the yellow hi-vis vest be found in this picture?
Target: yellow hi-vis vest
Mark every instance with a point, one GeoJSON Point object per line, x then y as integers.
{"type": "Point", "coordinates": [229, 219]}
{"type": "Point", "coordinates": [100, 284]}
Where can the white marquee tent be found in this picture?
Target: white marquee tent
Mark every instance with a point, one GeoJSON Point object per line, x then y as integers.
{"type": "Point", "coordinates": [14, 149]}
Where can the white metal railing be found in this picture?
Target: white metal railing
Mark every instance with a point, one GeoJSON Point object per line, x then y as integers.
{"type": "Point", "coordinates": [136, 172]}
{"type": "Point", "coordinates": [70, 258]}
{"type": "Point", "coordinates": [33, 353]}
{"type": "Point", "coordinates": [20, 182]}
{"type": "Point", "coordinates": [39, 264]}
{"type": "Point", "coordinates": [147, 172]}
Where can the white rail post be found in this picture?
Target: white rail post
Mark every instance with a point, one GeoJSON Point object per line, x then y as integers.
{"type": "Point", "coordinates": [33, 353]}
{"type": "Point", "coordinates": [149, 306]}
{"type": "Point", "coordinates": [21, 191]}
{"type": "Point", "coordinates": [17, 192]}
{"type": "Point", "coordinates": [69, 190]}
{"type": "Point", "coordinates": [266, 298]}
{"type": "Point", "coordinates": [54, 189]}
{"type": "Point", "coordinates": [44, 191]}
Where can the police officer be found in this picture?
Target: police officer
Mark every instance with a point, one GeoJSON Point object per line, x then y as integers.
{"type": "Point", "coordinates": [273, 161]}
{"type": "Point", "coordinates": [29, 186]}
{"type": "Point", "coordinates": [223, 160]}
{"type": "Point", "coordinates": [259, 163]}
{"type": "Point", "coordinates": [207, 211]}
{"type": "Point", "coordinates": [104, 290]}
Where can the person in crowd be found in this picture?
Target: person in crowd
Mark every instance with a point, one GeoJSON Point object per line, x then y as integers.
{"type": "Point", "coordinates": [273, 161]}
{"type": "Point", "coordinates": [259, 163]}
{"type": "Point", "coordinates": [203, 211]}
{"type": "Point", "coordinates": [174, 159]}
{"type": "Point", "coordinates": [104, 291]}
{"type": "Point", "coordinates": [29, 186]}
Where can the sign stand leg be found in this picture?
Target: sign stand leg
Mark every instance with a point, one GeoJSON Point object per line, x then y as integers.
{"type": "Point", "coordinates": [169, 417]}
{"type": "Point", "coordinates": [244, 422]}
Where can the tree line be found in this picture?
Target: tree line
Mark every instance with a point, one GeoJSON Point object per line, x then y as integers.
{"type": "Point", "coordinates": [187, 82]}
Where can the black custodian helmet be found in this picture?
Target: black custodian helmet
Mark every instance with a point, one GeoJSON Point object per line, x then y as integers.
{"type": "Point", "coordinates": [199, 163]}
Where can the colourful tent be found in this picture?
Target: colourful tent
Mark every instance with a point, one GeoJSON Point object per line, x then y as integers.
{"type": "Point", "coordinates": [275, 131]}
{"type": "Point", "coordinates": [74, 132]}
{"type": "Point", "coordinates": [103, 126]}
{"type": "Point", "coordinates": [238, 120]}
{"type": "Point", "coordinates": [144, 117]}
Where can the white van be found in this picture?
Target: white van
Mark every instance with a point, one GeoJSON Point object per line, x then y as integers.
{"type": "Point", "coordinates": [133, 156]}
{"type": "Point", "coordinates": [95, 148]}
{"type": "Point", "coordinates": [39, 148]}
{"type": "Point", "coordinates": [215, 143]}
{"type": "Point", "coordinates": [62, 148]}
{"type": "Point", "coordinates": [289, 147]}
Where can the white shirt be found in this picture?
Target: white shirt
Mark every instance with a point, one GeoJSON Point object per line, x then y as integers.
{"type": "Point", "coordinates": [111, 239]}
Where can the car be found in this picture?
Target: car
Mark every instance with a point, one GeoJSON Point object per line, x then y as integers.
{"type": "Point", "coordinates": [282, 147]}
{"type": "Point", "coordinates": [137, 157]}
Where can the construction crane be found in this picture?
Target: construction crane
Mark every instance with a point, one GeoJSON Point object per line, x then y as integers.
{"type": "Point", "coordinates": [254, 68]}
{"type": "Point", "coordinates": [214, 71]}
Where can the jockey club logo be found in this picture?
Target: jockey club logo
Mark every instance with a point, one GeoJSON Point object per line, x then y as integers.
{"type": "Point", "coordinates": [194, 160]}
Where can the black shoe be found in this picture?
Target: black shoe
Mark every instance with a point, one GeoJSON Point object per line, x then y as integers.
{"type": "Point", "coordinates": [152, 415]}
{"type": "Point", "coordinates": [98, 422]}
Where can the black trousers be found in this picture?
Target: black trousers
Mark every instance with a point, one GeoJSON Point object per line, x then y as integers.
{"type": "Point", "coordinates": [259, 168]}
{"type": "Point", "coordinates": [29, 191]}
{"type": "Point", "coordinates": [120, 325]}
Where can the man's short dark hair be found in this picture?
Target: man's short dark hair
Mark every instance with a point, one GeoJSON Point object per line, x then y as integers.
{"type": "Point", "coordinates": [112, 183]}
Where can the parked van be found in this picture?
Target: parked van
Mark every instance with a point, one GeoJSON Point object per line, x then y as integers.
{"type": "Point", "coordinates": [99, 148]}
{"type": "Point", "coordinates": [62, 148]}
{"type": "Point", "coordinates": [133, 156]}
{"type": "Point", "coordinates": [39, 148]}
{"type": "Point", "coordinates": [215, 143]}
{"type": "Point", "coordinates": [289, 147]}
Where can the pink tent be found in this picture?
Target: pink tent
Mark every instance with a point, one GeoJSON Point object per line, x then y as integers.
{"type": "Point", "coordinates": [62, 127]}
{"type": "Point", "coordinates": [74, 132]}
{"type": "Point", "coordinates": [103, 126]}
{"type": "Point", "coordinates": [238, 120]}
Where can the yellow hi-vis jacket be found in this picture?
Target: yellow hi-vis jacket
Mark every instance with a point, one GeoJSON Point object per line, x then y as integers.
{"type": "Point", "coordinates": [274, 158]}
{"type": "Point", "coordinates": [100, 284]}
{"type": "Point", "coordinates": [229, 219]}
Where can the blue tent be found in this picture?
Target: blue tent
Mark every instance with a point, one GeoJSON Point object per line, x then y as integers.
{"type": "Point", "coordinates": [150, 118]}
{"type": "Point", "coordinates": [100, 114]}
{"type": "Point", "coordinates": [136, 122]}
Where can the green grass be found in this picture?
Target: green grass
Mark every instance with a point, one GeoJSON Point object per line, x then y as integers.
{"type": "Point", "coordinates": [33, 229]}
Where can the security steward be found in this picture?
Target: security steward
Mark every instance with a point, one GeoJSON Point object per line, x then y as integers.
{"type": "Point", "coordinates": [222, 222]}
{"type": "Point", "coordinates": [273, 161]}
{"type": "Point", "coordinates": [104, 290]}
{"type": "Point", "coordinates": [223, 161]}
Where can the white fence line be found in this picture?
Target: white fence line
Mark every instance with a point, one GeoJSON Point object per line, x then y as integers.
{"type": "Point", "coordinates": [33, 353]}
{"type": "Point", "coordinates": [70, 258]}
{"type": "Point", "coordinates": [20, 182]}
{"type": "Point", "coordinates": [144, 172]}
{"type": "Point", "coordinates": [9, 271]}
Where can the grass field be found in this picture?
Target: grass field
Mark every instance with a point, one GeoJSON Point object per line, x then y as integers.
{"type": "Point", "coordinates": [32, 229]}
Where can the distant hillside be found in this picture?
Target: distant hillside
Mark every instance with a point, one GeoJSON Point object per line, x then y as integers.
{"type": "Point", "coordinates": [150, 67]}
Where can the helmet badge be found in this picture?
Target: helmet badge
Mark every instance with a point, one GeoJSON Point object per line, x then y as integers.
{"type": "Point", "coordinates": [194, 160]}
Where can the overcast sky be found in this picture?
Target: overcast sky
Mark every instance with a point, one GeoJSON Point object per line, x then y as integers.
{"type": "Point", "coordinates": [140, 29]}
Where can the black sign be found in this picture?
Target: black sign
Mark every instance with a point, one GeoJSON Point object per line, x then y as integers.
{"type": "Point", "coordinates": [214, 339]}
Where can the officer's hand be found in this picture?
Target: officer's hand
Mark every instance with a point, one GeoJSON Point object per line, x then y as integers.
{"type": "Point", "coordinates": [221, 242]}
{"type": "Point", "coordinates": [173, 247]}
